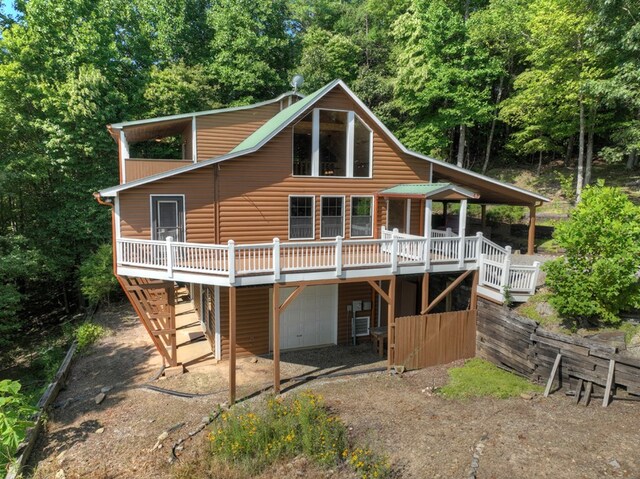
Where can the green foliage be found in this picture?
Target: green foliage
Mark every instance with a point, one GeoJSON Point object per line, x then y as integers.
{"type": "Point", "coordinates": [88, 333]}
{"type": "Point", "coordinates": [566, 186]}
{"type": "Point", "coordinates": [15, 414]}
{"type": "Point", "coordinates": [284, 429]}
{"type": "Point", "coordinates": [96, 275]}
{"type": "Point", "coordinates": [504, 214]}
{"type": "Point", "coordinates": [478, 378]}
{"type": "Point", "coordinates": [598, 275]}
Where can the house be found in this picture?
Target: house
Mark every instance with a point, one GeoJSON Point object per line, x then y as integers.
{"type": "Point", "coordinates": [297, 222]}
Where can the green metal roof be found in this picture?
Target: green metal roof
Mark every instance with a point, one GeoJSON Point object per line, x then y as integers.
{"type": "Point", "coordinates": [280, 120]}
{"type": "Point", "coordinates": [426, 189]}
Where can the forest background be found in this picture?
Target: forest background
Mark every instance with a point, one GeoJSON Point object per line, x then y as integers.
{"type": "Point", "coordinates": [483, 84]}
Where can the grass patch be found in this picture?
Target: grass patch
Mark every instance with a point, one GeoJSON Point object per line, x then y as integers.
{"type": "Point", "coordinates": [253, 439]}
{"type": "Point", "coordinates": [478, 378]}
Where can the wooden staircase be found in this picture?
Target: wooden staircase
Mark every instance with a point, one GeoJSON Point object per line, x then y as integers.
{"type": "Point", "coordinates": [154, 302]}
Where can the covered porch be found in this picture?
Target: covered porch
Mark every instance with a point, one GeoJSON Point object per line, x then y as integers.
{"type": "Point", "coordinates": [409, 208]}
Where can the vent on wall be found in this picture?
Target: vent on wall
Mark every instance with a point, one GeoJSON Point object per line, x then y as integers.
{"type": "Point", "coordinates": [362, 325]}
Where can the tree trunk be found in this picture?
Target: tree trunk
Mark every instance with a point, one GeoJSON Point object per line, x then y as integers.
{"type": "Point", "coordinates": [493, 127]}
{"type": "Point", "coordinates": [461, 141]}
{"type": "Point", "coordinates": [589, 163]}
{"type": "Point", "coordinates": [580, 172]}
{"type": "Point", "coordinates": [633, 158]}
{"type": "Point", "coordinates": [540, 163]}
{"type": "Point", "coordinates": [567, 159]}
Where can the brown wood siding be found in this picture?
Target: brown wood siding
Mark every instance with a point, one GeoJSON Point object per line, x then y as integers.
{"type": "Point", "coordinates": [347, 293]}
{"type": "Point", "coordinates": [220, 133]}
{"type": "Point", "coordinates": [141, 168]}
{"type": "Point", "coordinates": [416, 207]}
{"type": "Point", "coordinates": [254, 189]}
{"type": "Point", "coordinates": [252, 321]}
{"type": "Point", "coordinates": [197, 186]}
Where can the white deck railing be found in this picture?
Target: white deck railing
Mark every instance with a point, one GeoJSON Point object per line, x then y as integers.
{"type": "Point", "coordinates": [392, 251]}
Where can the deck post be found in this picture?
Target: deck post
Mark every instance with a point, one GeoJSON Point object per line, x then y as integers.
{"type": "Point", "coordinates": [276, 338]}
{"type": "Point", "coordinates": [483, 216]}
{"type": "Point", "coordinates": [391, 323]}
{"type": "Point", "coordinates": [504, 282]}
{"type": "Point", "coordinates": [232, 345]}
{"type": "Point", "coordinates": [276, 259]}
{"type": "Point", "coordinates": [473, 303]}
{"type": "Point", "coordinates": [425, 292]}
{"type": "Point", "coordinates": [169, 256]}
{"type": "Point", "coordinates": [479, 235]}
{"type": "Point", "coordinates": [338, 255]}
{"type": "Point", "coordinates": [534, 281]}
{"type": "Point", "coordinates": [232, 261]}
{"type": "Point", "coordinates": [531, 244]}
{"type": "Point", "coordinates": [171, 304]}
{"type": "Point", "coordinates": [394, 251]}
{"type": "Point", "coordinates": [462, 224]}
{"type": "Point", "coordinates": [428, 208]}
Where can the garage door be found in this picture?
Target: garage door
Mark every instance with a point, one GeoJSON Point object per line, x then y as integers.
{"type": "Point", "coordinates": [311, 319]}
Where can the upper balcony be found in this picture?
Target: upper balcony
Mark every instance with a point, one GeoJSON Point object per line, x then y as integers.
{"type": "Point", "coordinates": [290, 262]}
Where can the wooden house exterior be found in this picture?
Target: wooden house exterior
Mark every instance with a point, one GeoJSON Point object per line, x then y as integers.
{"type": "Point", "coordinates": [292, 221]}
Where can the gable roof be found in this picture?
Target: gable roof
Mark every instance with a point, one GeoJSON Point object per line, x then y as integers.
{"type": "Point", "coordinates": [287, 116]}
{"type": "Point", "coordinates": [426, 190]}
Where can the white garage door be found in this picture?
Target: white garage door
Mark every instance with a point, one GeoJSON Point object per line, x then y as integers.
{"type": "Point", "coordinates": [311, 319]}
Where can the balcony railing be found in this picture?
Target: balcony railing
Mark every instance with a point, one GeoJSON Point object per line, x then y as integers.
{"type": "Point", "coordinates": [391, 253]}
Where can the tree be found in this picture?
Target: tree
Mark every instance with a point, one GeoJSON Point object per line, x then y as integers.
{"type": "Point", "coordinates": [441, 82]}
{"type": "Point", "coordinates": [598, 276]}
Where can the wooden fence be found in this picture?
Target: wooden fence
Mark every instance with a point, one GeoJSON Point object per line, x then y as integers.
{"type": "Point", "coordinates": [432, 339]}
{"type": "Point", "coordinates": [521, 345]}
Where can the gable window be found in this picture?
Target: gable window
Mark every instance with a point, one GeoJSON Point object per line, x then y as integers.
{"type": "Point", "coordinates": [361, 217]}
{"type": "Point", "coordinates": [302, 146]}
{"type": "Point", "coordinates": [301, 217]}
{"type": "Point", "coordinates": [167, 217]}
{"type": "Point", "coordinates": [332, 217]}
{"type": "Point", "coordinates": [332, 143]}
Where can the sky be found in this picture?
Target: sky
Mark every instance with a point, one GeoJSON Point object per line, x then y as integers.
{"type": "Point", "coordinates": [7, 8]}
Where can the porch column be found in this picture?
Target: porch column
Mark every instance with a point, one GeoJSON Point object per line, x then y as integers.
{"type": "Point", "coordinates": [407, 216]}
{"type": "Point", "coordinates": [532, 230]}
{"type": "Point", "coordinates": [462, 224]}
{"type": "Point", "coordinates": [445, 213]}
{"type": "Point", "coordinates": [428, 209]}
{"type": "Point", "coordinates": [232, 345]}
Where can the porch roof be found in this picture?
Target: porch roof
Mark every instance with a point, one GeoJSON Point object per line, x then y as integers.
{"type": "Point", "coordinates": [430, 191]}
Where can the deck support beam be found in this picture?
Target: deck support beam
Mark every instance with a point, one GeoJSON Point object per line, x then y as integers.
{"type": "Point", "coordinates": [425, 292]}
{"type": "Point", "coordinates": [531, 243]}
{"type": "Point", "coordinates": [232, 344]}
{"type": "Point", "coordinates": [449, 288]}
{"type": "Point", "coordinates": [391, 323]}
{"type": "Point", "coordinates": [473, 303]}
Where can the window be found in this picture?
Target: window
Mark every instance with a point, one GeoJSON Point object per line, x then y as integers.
{"type": "Point", "coordinates": [332, 143]}
{"type": "Point", "coordinates": [361, 149]}
{"type": "Point", "coordinates": [302, 145]}
{"type": "Point", "coordinates": [332, 219]}
{"type": "Point", "coordinates": [301, 217]}
{"type": "Point", "coordinates": [167, 217]}
{"type": "Point", "coordinates": [361, 218]}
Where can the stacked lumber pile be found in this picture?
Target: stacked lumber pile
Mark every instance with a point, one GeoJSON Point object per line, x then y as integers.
{"type": "Point", "coordinates": [521, 345]}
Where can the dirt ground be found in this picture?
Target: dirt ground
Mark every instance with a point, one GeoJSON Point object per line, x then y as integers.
{"type": "Point", "coordinates": [423, 434]}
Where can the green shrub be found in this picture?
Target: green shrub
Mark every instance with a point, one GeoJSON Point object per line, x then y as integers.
{"type": "Point", "coordinates": [15, 413]}
{"type": "Point", "coordinates": [566, 186]}
{"type": "Point", "coordinates": [286, 428]}
{"type": "Point", "coordinates": [481, 378]}
{"type": "Point", "coordinates": [97, 280]}
{"type": "Point", "coordinates": [88, 333]}
{"type": "Point", "coordinates": [504, 214]}
{"type": "Point", "coordinates": [598, 275]}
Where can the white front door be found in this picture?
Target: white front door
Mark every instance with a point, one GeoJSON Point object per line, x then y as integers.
{"type": "Point", "coordinates": [311, 319]}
